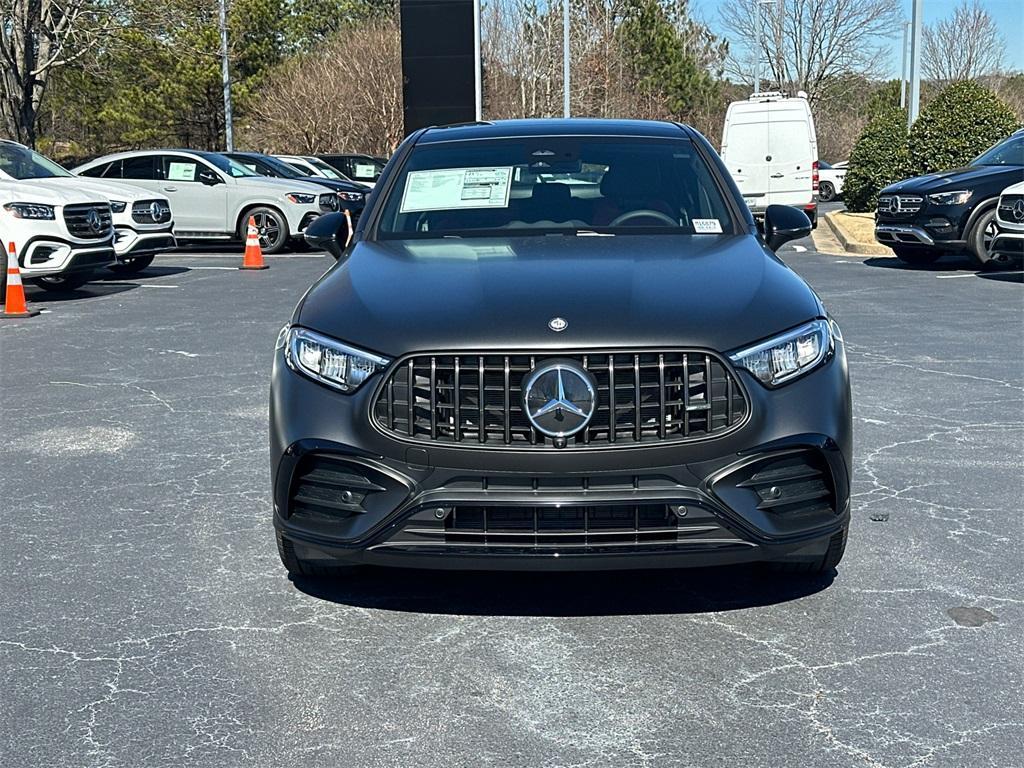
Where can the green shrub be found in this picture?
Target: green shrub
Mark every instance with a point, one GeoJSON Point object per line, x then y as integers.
{"type": "Point", "coordinates": [878, 158]}
{"type": "Point", "coordinates": [961, 122]}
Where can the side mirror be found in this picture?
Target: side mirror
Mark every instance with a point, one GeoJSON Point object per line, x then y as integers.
{"type": "Point", "coordinates": [330, 232]}
{"type": "Point", "coordinates": [783, 223]}
{"type": "Point", "coordinates": [209, 178]}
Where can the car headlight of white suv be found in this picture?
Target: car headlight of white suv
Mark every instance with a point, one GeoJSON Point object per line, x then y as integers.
{"type": "Point", "coordinates": [301, 198]}
{"type": "Point", "coordinates": [30, 210]}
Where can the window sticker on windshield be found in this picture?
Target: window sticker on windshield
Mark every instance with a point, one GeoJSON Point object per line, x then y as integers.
{"type": "Point", "coordinates": [181, 171]}
{"type": "Point", "coordinates": [452, 188]}
{"type": "Point", "coordinates": [707, 226]}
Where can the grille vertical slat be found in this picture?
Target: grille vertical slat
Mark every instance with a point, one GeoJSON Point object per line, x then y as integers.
{"type": "Point", "coordinates": [642, 398]}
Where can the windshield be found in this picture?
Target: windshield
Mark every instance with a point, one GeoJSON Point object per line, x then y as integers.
{"type": "Point", "coordinates": [19, 162]}
{"type": "Point", "coordinates": [226, 164]}
{"type": "Point", "coordinates": [324, 168]}
{"type": "Point", "coordinates": [1008, 152]}
{"type": "Point", "coordinates": [563, 184]}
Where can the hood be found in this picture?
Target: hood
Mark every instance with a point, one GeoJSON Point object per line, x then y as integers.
{"type": "Point", "coordinates": [52, 191]}
{"type": "Point", "coordinates": [627, 291]}
{"type": "Point", "coordinates": [104, 190]}
{"type": "Point", "coordinates": [279, 186]}
{"type": "Point", "coordinates": [971, 176]}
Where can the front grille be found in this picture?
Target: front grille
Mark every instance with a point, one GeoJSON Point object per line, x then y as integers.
{"type": "Point", "coordinates": [82, 223]}
{"type": "Point", "coordinates": [329, 202]}
{"type": "Point", "coordinates": [1006, 208]}
{"type": "Point", "coordinates": [476, 399]}
{"type": "Point", "coordinates": [151, 212]}
{"type": "Point", "coordinates": [565, 527]}
{"type": "Point", "coordinates": [899, 205]}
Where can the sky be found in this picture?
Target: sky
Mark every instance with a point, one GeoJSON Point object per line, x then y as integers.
{"type": "Point", "coordinates": [1009, 14]}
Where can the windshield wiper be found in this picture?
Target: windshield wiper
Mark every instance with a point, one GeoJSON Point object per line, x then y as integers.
{"type": "Point", "coordinates": [592, 233]}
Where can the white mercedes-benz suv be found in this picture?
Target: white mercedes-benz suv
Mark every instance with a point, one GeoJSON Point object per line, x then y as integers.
{"type": "Point", "coordinates": [1008, 242]}
{"type": "Point", "coordinates": [143, 223]}
{"type": "Point", "coordinates": [62, 234]}
{"type": "Point", "coordinates": [213, 196]}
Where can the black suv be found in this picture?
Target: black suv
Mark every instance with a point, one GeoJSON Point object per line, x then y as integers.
{"type": "Point", "coordinates": [560, 344]}
{"type": "Point", "coordinates": [953, 211]}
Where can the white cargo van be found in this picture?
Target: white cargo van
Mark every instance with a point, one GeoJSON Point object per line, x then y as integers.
{"type": "Point", "coordinates": [771, 150]}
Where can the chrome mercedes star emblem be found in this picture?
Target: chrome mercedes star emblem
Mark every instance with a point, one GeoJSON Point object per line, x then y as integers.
{"type": "Point", "coordinates": [558, 324]}
{"type": "Point", "coordinates": [559, 398]}
{"type": "Point", "coordinates": [156, 211]}
{"type": "Point", "coordinates": [92, 218]}
{"type": "Point", "coordinates": [1018, 210]}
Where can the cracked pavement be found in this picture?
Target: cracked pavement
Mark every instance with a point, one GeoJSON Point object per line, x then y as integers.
{"type": "Point", "coordinates": [145, 619]}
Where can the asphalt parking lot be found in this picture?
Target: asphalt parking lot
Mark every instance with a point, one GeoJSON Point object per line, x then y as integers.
{"type": "Point", "coordinates": [145, 619]}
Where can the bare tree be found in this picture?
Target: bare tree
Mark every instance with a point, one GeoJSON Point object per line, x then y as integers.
{"type": "Point", "coordinates": [345, 96]}
{"type": "Point", "coordinates": [964, 47]}
{"type": "Point", "coordinates": [36, 37]}
{"type": "Point", "coordinates": [808, 43]}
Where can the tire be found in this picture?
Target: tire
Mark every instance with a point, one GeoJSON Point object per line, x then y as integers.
{"type": "Point", "coordinates": [826, 192]}
{"type": "Point", "coordinates": [299, 568]}
{"type": "Point", "coordinates": [62, 283]}
{"type": "Point", "coordinates": [918, 257]}
{"type": "Point", "coordinates": [132, 266]}
{"type": "Point", "coordinates": [826, 563]}
{"type": "Point", "coordinates": [273, 227]}
{"type": "Point", "coordinates": [980, 237]}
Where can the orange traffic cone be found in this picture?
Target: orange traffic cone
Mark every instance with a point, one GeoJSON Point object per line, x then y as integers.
{"type": "Point", "coordinates": [253, 258]}
{"type": "Point", "coordinates": [14, 304]}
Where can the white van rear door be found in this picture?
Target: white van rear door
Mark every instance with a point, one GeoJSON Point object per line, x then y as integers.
{"type": "Point", "coordinates": [746, 157]}
{"type": "Point", "coordinates": [790, 167]}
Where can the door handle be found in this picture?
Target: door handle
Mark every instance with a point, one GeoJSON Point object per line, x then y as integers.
{"type": "Point", "coordinates": [170, 189]}
{"type": "Point", "coordinates": [777, 175]}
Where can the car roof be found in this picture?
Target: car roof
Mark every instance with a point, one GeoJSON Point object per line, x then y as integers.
{"type": "Point", "coordinates": [504, 129]}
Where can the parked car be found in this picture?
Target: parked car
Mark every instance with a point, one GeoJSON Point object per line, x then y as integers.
{"type": "Point", "coordinates": [351, 193]}
{"type": "Point", "coordinates": [213, 197]}
{"type": "Point", "coordinates": [1008, 243]}
{"type": "Point", "coordinates": [362, 168]}
{"type": "Point", "coordinates": [951, 211]}
{"type": "Point", "coordinates": [770, 147]}
{"type": "Point", "coordinates": [313, 167]}
{"type": "Point", "coordinates": [63, 233]}
{"type": "Point", "coordinates": [830, 180]}
{"type": "Point", "coordinates": [512, 373]}
{"type": "Point", "coordinates": [143, 222]}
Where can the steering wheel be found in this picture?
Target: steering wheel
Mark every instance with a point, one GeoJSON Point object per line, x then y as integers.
{"type": "Point", "coordinates": [643, 213]}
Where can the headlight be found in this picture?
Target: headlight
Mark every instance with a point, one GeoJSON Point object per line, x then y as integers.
{"type": "Point", "coordinates": [789, 355]}
{"type": "Point", "coordinates": [29, 210]}
{"type": "Point", "coordinates": [301, 198]}
{"type": "Point", "coordinates": [330, 362]}
{"type": "Point", "coordinates": [118, 206]}
{"type": "Point", "coordinates": [352, 197]}
{"type": "Point", "coordinates": [951, 198]}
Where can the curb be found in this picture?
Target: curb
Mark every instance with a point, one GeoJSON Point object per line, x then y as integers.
{"type": "Point", "coordinates": [855, 246]}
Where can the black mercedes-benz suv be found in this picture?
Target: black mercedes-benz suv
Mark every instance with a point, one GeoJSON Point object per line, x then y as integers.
{"type": "Point", "coordinates": [952, 211]}
{"type": "Point", "coordinates": [559, 344]}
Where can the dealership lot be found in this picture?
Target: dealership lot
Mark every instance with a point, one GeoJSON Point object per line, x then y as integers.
{"type": "Point", "coordinates": [147, 620]}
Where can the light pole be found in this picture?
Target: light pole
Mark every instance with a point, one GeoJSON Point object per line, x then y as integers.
{"type": "Point", "coordinates": [565, 58]}
{"type": "Point", "coordinates": [226, 77]}
{"type": "Point", "coordinates": [757, 42]}
{"type": "Point", "coordinates": [903, 69]}
{"type": "Point", "coordinates": [915, 64]}
{"type": "Point", "coordinates": [477, 63]}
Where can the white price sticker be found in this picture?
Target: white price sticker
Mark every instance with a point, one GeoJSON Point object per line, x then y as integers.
{"type": "Point", "coordinates": [452, 188]}
{"type": "Point", "coordinates": [707, 226]}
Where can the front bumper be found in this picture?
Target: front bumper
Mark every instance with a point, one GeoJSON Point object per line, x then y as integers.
{"type": "Point", "coordinates": [1008, 243]}
{"type": "Point", "coordinates": [776, 489]}
{"type": "Point", "coordinates": [43, 256]}
{"type": "Point", "coordinates": [130, 243]}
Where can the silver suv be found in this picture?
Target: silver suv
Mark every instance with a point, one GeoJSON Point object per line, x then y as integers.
{"type": "Point", "coordinates": [212, 196]}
